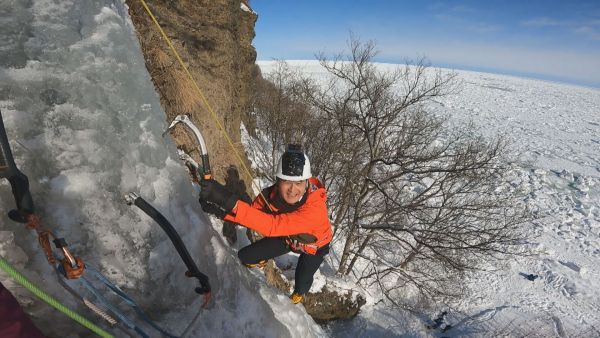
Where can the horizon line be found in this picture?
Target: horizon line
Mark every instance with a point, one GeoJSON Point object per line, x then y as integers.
{"type": "Point", "coordinates": [483, 69]}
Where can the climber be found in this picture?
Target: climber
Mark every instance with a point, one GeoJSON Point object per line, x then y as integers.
{"type": "Point", "coordinates": [294, 218]}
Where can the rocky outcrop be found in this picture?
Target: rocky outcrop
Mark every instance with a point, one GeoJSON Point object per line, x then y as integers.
{"type": "Point", "coordinates": [329, 303]}
{"type": "Point", "coordinates": [214, 39]}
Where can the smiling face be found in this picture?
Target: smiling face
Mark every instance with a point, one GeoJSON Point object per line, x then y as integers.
{"type": "Point", "coordinates": [291, 191]}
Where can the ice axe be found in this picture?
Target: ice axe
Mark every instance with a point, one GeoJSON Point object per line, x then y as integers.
{"type": "Point", "coordinates": [198, 173]}
{"type": "Point", "coordinates": [193, 271]}
{"type": "Point", "coordinates": [204, 172]}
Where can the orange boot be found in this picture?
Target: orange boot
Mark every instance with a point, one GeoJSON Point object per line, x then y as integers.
{"type": "Point", "coordinates": [296, 298]}
{"type": "Point", "coordinates": [260, 264]}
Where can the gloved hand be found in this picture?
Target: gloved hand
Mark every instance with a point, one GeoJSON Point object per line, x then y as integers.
{"type": "Point", "coordinates": [213, 209]}
{"type": "Point", "coordinates": [213, 192]}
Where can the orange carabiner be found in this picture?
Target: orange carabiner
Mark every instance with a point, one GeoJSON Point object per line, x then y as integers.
{"type": "Point", "coordinates": [73, 272]}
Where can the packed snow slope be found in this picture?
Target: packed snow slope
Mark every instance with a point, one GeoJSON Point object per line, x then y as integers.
{"type": "Point", "coordinates": [555, 134]}
{"type": "Point", "coordinates": [85, 125]}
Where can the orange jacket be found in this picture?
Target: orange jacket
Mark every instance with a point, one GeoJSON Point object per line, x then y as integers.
{"type": "Point", "coordinates": [310, 218]}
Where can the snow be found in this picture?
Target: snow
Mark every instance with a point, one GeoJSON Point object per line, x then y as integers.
{"type": "Point", "coordinates": [245, 8]}
{"type": "Point", "coordinates": [85, 125]}
{"type": "Point", "coordinates": [555, 133]}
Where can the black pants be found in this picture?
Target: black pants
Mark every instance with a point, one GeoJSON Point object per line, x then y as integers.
{"type": "Point", "coordinates": [271, 247]}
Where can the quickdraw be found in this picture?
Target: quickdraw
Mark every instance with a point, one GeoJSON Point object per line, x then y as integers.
{"type": "Point", "coordinates": [72, 266]}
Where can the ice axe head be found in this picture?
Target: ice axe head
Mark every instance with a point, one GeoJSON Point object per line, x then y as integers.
{"type": "Point", "coordinates": [177, 119]}
{"type": "Point", "coordinates": [185, 119]}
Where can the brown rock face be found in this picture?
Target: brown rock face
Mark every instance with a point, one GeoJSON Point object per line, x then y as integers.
{"type": "Point", "coordinates": [213, 38]}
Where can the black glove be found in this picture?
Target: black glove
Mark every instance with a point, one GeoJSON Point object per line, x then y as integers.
{"type": "Point", "coordinates": [213, 209]}
{"type": "Point", "coordinates": [213, 192]}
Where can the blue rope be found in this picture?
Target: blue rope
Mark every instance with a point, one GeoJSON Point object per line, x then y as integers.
{"type": "Point", "coordinates": [130, 301]}
{"type": "Point", "coordinates": [105, 303]}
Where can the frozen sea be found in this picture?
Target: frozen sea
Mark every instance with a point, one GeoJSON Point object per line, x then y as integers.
{"type": "Point", "coordinates": [554, 130]}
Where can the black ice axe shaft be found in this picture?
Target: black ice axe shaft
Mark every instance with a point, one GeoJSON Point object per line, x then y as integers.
{"type": "Point", "coordinates": [18, 181]}
{"type": "Point", "coordinates": [193, 271]}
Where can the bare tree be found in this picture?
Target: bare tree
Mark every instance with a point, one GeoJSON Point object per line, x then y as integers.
{"type": "Point", "coordinates": [414, 202]}
{"type": "Point", "coordinates": [280, 115]}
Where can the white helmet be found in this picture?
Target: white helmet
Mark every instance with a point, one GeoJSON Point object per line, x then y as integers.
{"type": "Point", "coordinates": [293, 164]}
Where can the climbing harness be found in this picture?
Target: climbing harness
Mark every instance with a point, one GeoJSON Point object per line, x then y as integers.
{"type": "Point", "coordinates": [298, 246]}
{"type": "Point", "coordinates": [72, 273]}
{"type": "Point", "coordinates": [193, 271]}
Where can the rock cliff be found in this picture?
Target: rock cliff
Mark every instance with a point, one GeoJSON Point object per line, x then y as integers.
{"type": "Point", "coordinates": [214, 39]}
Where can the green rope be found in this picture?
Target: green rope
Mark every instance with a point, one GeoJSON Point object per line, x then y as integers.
{"type": "Point", "coordinates": [50, 300]}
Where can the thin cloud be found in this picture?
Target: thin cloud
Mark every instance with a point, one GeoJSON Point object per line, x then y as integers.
{"type": "Point", "coordinates": [590, 28]}
{"type": "Point", "coordinates": [447, 17]}
{"type": "Point", "coordinates": [441, 6]}
{"type": "Point", "coordinates": [588, 31]}
{"type": "Point", "coordinates": [477, 27]}
{"type": "Point", "coordinates": [551, 62]}
{"type": "Point", "coordinates": [436, 6]}
{"type": "Point", "coordinates": [482, 27]}
{"type": "Point", "coordinates": [462, 15]}
{"type": "Point", "coordinates": [587, 28]}
{"type": "Point", "coordinates": [463, 9]}
{"type": "Point", "coordinates": [543, 22]}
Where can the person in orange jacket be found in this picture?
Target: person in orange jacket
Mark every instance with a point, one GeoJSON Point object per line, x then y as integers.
{"type": "Point", "coordinates": [291, 215]}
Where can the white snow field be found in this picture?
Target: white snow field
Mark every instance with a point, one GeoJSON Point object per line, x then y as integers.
{"type": "Point", "coordinates": [555, 130]}
{"type": "Point", "coordinates": [555, 134]}
{"type": "Point", "coordinates": [85, 125]}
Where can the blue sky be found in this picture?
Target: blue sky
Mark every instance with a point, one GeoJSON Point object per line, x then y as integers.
{"type": "Point", "coordinates": [554, 40]}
